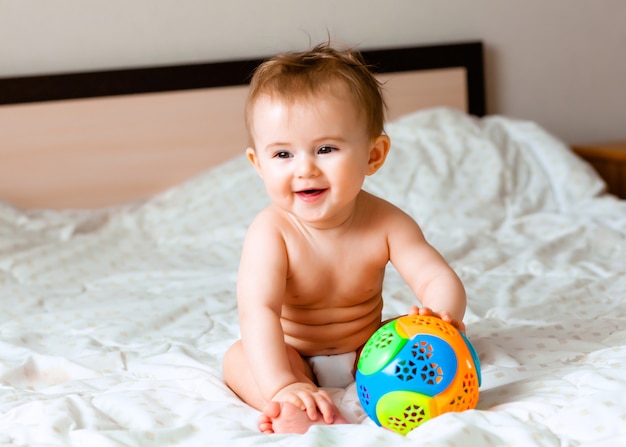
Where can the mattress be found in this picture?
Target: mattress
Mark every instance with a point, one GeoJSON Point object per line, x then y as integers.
{"type": "Point", "coordinates": [114, 321]}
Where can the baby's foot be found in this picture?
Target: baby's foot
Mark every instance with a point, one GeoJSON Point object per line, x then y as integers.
{"type": "Point", "coordinates": [284, 417]}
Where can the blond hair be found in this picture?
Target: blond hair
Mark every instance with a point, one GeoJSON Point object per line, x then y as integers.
{"type": "Point", "coordinates": [293, 76]}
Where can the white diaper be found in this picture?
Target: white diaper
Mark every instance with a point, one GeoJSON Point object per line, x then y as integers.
{"type": "Point", "coordinates": [334, 371]}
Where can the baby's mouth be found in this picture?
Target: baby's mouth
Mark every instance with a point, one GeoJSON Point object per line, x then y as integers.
{"type": "Point", "coordinates": [309, 194]}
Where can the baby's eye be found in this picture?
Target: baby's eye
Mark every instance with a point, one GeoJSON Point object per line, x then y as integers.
{"type": "Point", "coordinates": [326, 149]}
{"type": "Point", "coordinates": [282, 154]}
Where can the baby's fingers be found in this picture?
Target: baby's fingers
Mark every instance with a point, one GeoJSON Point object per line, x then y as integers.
{"type": "Point", "coordinates": [426, 311]}
{"type": "Point", "coordinates": [309, 405]}
{"type": "Point", "coordinates": [326, 406]}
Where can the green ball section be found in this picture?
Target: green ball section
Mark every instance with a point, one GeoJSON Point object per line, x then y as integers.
{"type": "Point", "coordinates": [382, 346]}
{"type": "Point", "coordinates": [402, 411]}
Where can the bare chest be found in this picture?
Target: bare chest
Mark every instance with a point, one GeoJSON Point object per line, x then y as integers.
{"type": "Point", "coordinates": [335, 273]}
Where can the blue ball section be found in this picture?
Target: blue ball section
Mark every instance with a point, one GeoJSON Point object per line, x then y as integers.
{"type": "Point", "coordinates": [369, 394]}
{"type": "Point", "coordinates": [426, 365]}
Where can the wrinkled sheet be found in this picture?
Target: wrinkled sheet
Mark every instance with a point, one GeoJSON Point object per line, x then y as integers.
{"type": "Point", "coordinates": [114, 322]}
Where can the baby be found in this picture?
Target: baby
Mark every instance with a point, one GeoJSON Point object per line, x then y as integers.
{"type": "Point", "coordinates": [310, 279]}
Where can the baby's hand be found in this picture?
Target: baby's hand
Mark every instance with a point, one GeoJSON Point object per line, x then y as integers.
{"type": "Point", "coordinates": [308, 398]}
{"type": "Point", "coordinates": [445, 316]}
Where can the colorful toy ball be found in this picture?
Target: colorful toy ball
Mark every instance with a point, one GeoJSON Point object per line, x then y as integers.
{"type": "Point", "coordinates": [415, 368]}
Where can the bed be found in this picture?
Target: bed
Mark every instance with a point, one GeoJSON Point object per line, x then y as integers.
{"type": "Point", "coordinates": [124, 199]}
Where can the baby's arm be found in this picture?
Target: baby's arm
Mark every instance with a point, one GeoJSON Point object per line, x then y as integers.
{"type": "Point", "coordinates": [260, 292]}
{"type": "Point", "coordinates": [432, 280]}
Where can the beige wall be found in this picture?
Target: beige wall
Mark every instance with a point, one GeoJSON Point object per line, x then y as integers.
{"type": "Point", "coordinates": [561, 63]}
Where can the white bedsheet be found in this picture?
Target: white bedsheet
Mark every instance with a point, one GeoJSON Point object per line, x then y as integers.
{"type": "Point", "coordinates": [114, 322]}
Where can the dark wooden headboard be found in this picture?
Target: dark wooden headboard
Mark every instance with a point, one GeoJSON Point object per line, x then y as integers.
{"type": "Point", "coordinates": [219, 74]}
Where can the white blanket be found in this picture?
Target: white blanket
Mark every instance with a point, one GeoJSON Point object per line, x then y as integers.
{"type": "Point", "coordinates": [114, 322]}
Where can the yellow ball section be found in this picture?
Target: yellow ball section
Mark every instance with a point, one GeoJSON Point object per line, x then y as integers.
{"type": "Point", "coordinates": [402, 411]}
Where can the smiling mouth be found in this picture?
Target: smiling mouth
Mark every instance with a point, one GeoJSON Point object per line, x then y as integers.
{"type": "Point", "coordinates": [310, 194]}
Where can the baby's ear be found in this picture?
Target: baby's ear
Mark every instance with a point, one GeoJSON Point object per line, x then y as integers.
{"type": "Point", "coordinates": [251, 154]}
{"type": "Point", "coordinates": [378, 153]}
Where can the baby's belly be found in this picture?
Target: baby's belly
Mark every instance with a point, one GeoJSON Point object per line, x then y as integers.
{"type": "Point", "coordinates": [342, 331]}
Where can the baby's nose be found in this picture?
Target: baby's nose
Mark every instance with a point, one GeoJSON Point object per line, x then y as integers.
{"type": "Point", "coordinates": [306, 167]}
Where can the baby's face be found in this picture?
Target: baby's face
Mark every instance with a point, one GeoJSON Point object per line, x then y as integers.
{"type": "Point", "coordinates": [312, 155]}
